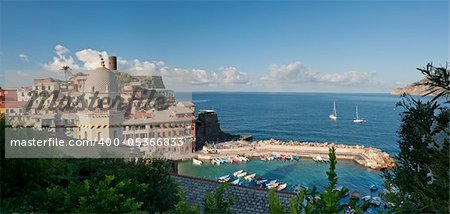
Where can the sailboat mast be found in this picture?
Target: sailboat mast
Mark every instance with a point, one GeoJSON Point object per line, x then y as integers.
{"type": "Point", "coordinates": [357, 116]}
{"type": "Point", "coordinates": [334, 108]}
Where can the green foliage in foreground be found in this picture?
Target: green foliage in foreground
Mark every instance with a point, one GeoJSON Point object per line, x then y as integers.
{"type": "Point", "coordinates": [84, 185]}
{"type": "Point", "coordinates": [419, 182]}
{"type": "Point", "coordinates": [216, 203]}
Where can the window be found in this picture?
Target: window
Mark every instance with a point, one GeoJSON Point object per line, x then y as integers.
{"type": "Point", "coordinates": [115, 134]}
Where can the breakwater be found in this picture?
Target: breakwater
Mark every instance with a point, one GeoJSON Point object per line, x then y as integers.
{"type": "Point", "coordinates": [366, 156]}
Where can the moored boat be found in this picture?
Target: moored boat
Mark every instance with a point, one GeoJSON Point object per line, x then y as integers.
{"type": "Point", "coordinates": [224, 178]}
{"type": "Point", "coordinates": [242, 174]}
{"type": "Point", "coordinates": [238, 172]}
{"type": "Point", "coordinates": [249, 177]}
{"type": "Point", "coordinates": [366, 198]}
{"type": "Point", "coordinates": [282, 186]}
{"type": "Point", "coordinates": [261, 181]}
{"type": "Point", "coordinates": [236, 182]}
{"type": "Point", "coordinates": [196, 162]}
{"type": "Point", "coordinates": [373, 188]}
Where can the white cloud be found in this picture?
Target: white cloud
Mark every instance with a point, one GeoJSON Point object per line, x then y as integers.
{"type": "Point", "coordinates": [61, 60]}
{"type": "Point", "coordinates": [90, 58]}
{"type": "Point", "coordinates": [23, 57]}
{"type": "Point", "coordinates": [232, 75]}
{"type": "Point", "coordinates": [297, 72]}
{"type": "Point", "coordinates": [294, 72]}
{"type": "Point", "coordinates": [347, 78]}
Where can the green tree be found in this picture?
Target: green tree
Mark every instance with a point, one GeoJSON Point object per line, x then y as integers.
{"type": "Point", "coordinates": [419, 182]}
{"type": "Point", "coordinates": [330, 197]}
{"type": "Point", "coordinates": [216, 203]}
{"type": "Point", "coordinates": [275, 206]}
{"type": "Point", "coordinates": [184, 207]}
{"type": "Point", "coordinates": [92, 196]}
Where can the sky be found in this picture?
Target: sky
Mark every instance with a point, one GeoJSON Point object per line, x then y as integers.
{"type": "Point", "coordinates": [295, 46]}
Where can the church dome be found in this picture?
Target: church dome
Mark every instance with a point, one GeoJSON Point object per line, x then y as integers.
{"type": "Point", "coordinates": [102, 80]}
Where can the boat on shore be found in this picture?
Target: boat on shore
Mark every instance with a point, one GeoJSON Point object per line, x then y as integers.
{"type": "Point", "coordinates": [196, 162]}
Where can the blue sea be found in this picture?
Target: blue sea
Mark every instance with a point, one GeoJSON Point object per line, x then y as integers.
{"type": "Point", "coordinates": [304, 117]}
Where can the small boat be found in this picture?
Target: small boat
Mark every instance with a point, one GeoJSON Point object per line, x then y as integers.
{"type": "Point", "coordinates": [283, 157]}
{"type": "Point", "coordinates": [358, 120]}
{"type": "Point", "coordinates": [282, 187]}
{"type": "Point", "coordinates": [296, 157]}
{"type": "Point", "coordinates": [235, 160]}
{"type": "Point", "coordinates": [273, 181]}
{"type": "Point", "coordinates": [289, 157]}
{"type": "Point", "coordinates": [261, 181]}
{"type": "Point", "coordinates": [333, 115]}
{"type": "Point", "coordinates": [249, 177]}
{"type": "Point", "coordinates": [242, 174]}
{"type": "Point", "coordinates": [236, 182]}
{"type": "Point", "coordinates": [318, 158]}
{"type": "Point", "coordinates": [224, 178]}
{"type": "Point", "coordinates": [238, 172]}
{"type": "Point", "coordinates": [376, 201]}
{"type": "Point", "coordinates": [196, 162]}
{"type": "Point", "coordinates": [366, 198]}
{"type": "Point", "coordinates": [272, 185]}
{"type": "Point", "coordinates": [373, 188]}
{"type": "Point", "coordinates": [215, 161]}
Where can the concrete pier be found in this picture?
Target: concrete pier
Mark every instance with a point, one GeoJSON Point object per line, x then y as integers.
{"type": "Point", "coordinates": [366, 156]}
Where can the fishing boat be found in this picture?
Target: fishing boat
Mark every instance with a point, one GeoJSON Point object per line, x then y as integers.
{"type": "Point", "coordinates": [272, 185]}
{"type": "Point", "coordinates": [333, 115]}
{"type": "Point", "coordinates": [236, 182]}
{"type": "Point", "coordinates": [249, 177]}
{"type": "Point", "coordinates": [196, 162]}
{"type": "Point", "coordinates": [282, 187]}
{"type": "Point", "coordinates": [238, 172]}
{"type": "Point", "coordinates": [242, 174]}
{"type": "Point", "coordinates": [358, 120]}
{"type": "Point", "coordinates": [235, 160]}
{"type": "Point", "coordinates": [296, 157]}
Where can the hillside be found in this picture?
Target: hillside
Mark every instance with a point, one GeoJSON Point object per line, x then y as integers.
{"type": "Point", "coordinates": [414, 89]}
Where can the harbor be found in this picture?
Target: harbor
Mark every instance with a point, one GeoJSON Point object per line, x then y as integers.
{"type": "Point", "coordinates": [369, 157]}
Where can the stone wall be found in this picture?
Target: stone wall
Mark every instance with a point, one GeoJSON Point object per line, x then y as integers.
{"type": "Point", "coordinates": [247, 199]}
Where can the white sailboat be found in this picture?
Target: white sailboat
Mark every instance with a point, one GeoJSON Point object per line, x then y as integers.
{"type": "Point", "coordinates": [358, 120]}
{"type": "Point", "coordinates": [333, 116]}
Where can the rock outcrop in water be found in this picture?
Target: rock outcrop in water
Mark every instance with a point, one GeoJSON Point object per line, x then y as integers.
{"type": "Point", "coordinates": [414, 89]}
{"type": "Point", "coordinates": [207, 130]}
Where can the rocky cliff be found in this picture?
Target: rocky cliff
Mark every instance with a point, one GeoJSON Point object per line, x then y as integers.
{"type": "Point", "coordinates": [414, 89]}
{"type": "Point", "coordinates": [208, 130]}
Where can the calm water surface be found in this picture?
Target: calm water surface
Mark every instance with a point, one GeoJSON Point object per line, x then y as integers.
{"type": "Point", "coordinates": [303, 117]}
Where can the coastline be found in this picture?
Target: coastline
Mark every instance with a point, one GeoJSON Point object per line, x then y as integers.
{"type": "Point", "coordinates": [369, 157]}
